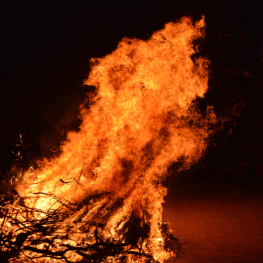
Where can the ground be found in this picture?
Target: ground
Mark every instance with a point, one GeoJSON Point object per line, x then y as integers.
{"type": "Point", "coordinates": [216, 218]}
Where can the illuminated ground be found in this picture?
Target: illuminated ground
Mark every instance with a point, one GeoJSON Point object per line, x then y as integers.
{"type": "Point", "coordinates": [217, 220]}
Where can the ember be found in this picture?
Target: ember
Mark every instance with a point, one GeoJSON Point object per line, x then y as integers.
{"type": "Point", "coordinates": [101, 199]}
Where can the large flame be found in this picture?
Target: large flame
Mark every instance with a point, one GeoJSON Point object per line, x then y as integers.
{"type": "Point", "coordinates": [140, 121]}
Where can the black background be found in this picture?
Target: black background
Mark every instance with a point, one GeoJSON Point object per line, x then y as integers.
{"type": "Point", "coordinates": [46, 46]}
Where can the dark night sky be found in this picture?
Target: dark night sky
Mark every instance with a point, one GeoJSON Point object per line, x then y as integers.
{"type": "Point", "coordinates": [46, 46]}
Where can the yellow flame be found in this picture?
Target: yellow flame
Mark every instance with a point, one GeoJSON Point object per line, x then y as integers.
{"type": "Point", "coordinates": [138, 124]}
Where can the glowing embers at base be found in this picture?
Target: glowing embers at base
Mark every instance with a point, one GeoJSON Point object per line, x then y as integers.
{"type": "Point", "coordinates": [102, 198]}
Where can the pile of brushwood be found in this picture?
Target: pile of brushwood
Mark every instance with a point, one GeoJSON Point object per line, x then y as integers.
{"type": "Point", "coordinates": [32, 235]}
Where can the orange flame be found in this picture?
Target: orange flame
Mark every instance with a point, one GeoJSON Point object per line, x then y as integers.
{"type": "Point", "coordinates": [142, 119]}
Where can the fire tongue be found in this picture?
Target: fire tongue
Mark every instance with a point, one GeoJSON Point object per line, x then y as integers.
{"type": "Point", "coordinates": [104, 190]}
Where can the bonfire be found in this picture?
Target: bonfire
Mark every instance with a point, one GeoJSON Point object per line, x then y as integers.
{"type": "Point", "coordinates": [101, 199]}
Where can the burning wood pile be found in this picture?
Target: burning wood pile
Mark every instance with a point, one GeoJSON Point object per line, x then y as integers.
{"type": "Point", "coordinates": [71, 234]}
{"type": "Point", "coordinates": [101, 199]}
